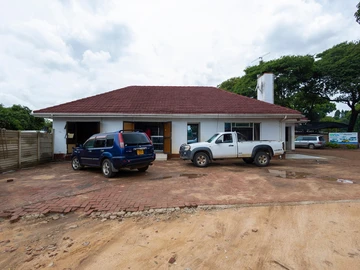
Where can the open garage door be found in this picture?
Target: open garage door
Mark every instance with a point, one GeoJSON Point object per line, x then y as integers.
{"type": "Point", "coordinates": [167, 137]}
{"type": "Point", "coordinates": [129, 126]}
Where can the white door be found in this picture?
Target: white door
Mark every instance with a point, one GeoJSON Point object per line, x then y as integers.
{"type": "Point", "coordinates": [224, 147]}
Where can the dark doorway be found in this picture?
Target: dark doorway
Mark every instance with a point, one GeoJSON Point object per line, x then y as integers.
{"type": "Point", "coordinates": [288, 138]}
{"type": "Point", "coordinates": [79, 132]}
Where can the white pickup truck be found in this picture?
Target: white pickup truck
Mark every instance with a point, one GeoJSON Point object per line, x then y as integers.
{"type": "Point", "coordinates": [226, 145]}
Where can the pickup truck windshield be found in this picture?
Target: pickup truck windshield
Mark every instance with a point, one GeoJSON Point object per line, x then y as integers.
{"type": "Point", "coordinates": [212, 137]}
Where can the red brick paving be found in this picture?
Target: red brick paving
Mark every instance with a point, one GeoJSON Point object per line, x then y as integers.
{"type": "Point", "coordinates": [56, 188]}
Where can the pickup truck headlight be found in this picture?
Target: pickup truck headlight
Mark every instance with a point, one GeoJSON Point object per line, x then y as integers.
{"type": "Point", "coordinates": [187, 147]}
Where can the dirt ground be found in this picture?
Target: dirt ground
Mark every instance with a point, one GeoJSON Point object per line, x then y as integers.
{"type": "Point", "coordinates": [301, 235]}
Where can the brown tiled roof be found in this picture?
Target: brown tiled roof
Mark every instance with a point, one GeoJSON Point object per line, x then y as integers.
{"type": "Point", "coordinates": [169, 100]}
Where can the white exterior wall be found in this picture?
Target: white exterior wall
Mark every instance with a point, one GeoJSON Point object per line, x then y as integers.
{"type": "Point", "coordinates": [269, 129]}
{"type": "Point", "coordinates": [272, 130]}
{"type": "Point", "coordinates": [110, 124]}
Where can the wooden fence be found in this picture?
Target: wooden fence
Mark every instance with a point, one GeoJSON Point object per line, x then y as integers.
{"type": "Point", "coordinates": [20, 149]}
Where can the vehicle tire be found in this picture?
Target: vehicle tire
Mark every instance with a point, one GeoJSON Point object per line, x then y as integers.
{"type": "Point", "coordinates": [75, 164]}
{"type": "Point", "coordinates": [311, 146]}
{"type": "Point", "coordinates": [201, 159]}
{"type": "Point", "coordinates": [106, 168]}
{"type": "Point", "coordinates": [262, 159]}
{"type": "Point", "coordinates": [143, 169]}
{"type": "Point", "coordinates": [248, 160]}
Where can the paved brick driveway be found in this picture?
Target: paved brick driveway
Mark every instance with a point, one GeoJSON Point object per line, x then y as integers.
{"type": "Point", "coordinates": [55, 187]}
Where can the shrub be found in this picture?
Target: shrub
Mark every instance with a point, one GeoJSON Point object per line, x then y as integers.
{"type": "Point", "coordinates": [351, 146]}
{"type": "Point", "coordinates": [332, 145]}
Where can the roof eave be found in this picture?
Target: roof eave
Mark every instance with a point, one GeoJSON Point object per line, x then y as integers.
{"type": "Point", "coordinates": [176, 116]}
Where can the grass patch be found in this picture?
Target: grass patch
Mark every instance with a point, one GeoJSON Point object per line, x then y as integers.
{"type": "Point", "coordinates": [351, 146]}
{"type": "Point", "coordinates": [332, 145]}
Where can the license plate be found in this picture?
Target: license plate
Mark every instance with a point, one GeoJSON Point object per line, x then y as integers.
{"type": "Point", "coordinates": [139, 151]}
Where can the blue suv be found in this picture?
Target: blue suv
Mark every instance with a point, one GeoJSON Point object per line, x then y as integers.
{"type": "Point", "coordinates": [113, 151]}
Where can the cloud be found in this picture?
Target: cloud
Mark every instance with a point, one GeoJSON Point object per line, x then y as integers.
{"type": "Point", "coordinates": [90, 57]}
{"type": "Point", "coordinates": [57, 51]}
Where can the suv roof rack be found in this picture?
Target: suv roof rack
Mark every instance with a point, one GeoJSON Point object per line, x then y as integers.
{"type": "Point", "coordinates": [130, 130]}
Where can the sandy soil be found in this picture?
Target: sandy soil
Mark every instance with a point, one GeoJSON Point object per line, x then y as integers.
{"type": "Point", "coordinates": [310, 236]}
{"type": "Point", "coordinates": [318, 236]}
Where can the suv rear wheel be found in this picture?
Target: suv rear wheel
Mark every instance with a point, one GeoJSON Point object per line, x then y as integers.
{"type": "Point", "coordinates": [107, 168]}
{"type": "Point", "coordinates": [143, 169]}
{"type": "Point", "coordinates": [311, 146]}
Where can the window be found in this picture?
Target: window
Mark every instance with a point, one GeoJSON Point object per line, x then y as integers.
{"type": "Point", "coordinates": [226, 138]}
{"type": "Point", "coordinates": [99, 143]}
{"type": "Point", "coordinates": [241, 138]}
{"type": "Point", "coordinates": [109, 140]}
{"type": "Point", "coordinates": [192, 133]}
{"type": "Point", "coordinates": [89, 143]}
{"type": "Point", "coordinates": [135, 138]}
{"type": "Point", "coordinates": [251, 131]}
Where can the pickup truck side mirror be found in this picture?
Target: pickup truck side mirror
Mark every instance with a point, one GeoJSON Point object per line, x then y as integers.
{"type": "Point", "coordinates": [218, 141]}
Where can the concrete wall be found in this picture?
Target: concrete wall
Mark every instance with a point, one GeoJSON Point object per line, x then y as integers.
{"type": "Point", "coordinates": [59, 136]}
{"type": "Point", "coordinates": [265, 88]}
{"type": "Point", "coordinates": [269, 129]}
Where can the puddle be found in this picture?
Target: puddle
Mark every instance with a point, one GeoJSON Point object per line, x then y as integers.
{"type": "Point", "coordinates": [192, 175]}
{"type": "Point", "coordinates": [235, 170]}
{"type": "Point", "coordinates": [188, 175]}
{"type": "Point", "coordinates": [345, 181]}
{"type": "Point", "coordinates": [161, 178]}
{"type": "Point", "coordinates": [288, 174]}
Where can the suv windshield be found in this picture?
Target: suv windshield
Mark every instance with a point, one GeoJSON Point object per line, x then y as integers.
{"type": "Point", "coordinates": [135, 139]}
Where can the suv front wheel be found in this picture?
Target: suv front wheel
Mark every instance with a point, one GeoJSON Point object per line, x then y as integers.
{"type": "Point", "coordinates": [107, 168]}
{"type": "Point", "coordinates": [75, 164]}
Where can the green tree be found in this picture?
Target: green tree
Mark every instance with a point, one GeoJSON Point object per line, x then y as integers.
{"type": "Point", "coordinates": [339, 68]}
{"type": "Point", "coordinates": [19, 117]}
{"type": "Point", "coordinates": [357, 13]}
{"type": "Point", "coordinates": [296, 85]}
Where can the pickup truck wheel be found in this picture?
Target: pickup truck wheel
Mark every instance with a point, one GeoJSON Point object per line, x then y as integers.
{"type": "Point", "coordinates": [248, 160]}
{"type": "Point", "coordinates": [262, 159]}
{"type": "Point", "coordinates": [201, 159]}
{"type": "Point", "coordinates": [143, 169]}
{"type": "Point", "coordinates": [107, 168]}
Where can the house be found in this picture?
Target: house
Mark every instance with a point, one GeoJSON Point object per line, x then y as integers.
{"type": "Point", "coordinates": [173, 115]}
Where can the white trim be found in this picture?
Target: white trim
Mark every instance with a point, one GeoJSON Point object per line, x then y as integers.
{"type": "Point", "coordinates": [174, 116]}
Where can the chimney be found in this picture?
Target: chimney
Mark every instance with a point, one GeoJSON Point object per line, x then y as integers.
{"type": "Point", "coordinates": [265, 87]}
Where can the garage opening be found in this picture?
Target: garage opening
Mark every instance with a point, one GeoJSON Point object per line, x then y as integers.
{"type": "Point", "coordinates": [79, 132]}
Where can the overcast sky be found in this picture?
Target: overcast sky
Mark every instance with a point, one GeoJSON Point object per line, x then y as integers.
{"type": "Point", "coordinates": [57, 51]}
